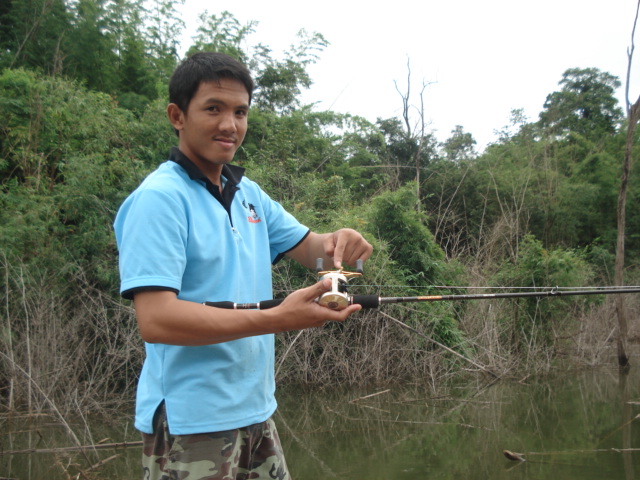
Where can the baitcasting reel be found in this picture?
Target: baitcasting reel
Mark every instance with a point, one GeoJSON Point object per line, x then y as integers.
{"type": "Point", "coordinates": [337, 298]}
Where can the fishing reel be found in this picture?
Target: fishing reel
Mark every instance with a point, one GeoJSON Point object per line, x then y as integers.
{"type": "Point", "coordinates": [337, 298]}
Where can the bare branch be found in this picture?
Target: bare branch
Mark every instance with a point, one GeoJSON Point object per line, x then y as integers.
{"type": "Point", "coordinates": [405, 98]}
{"type": "Point", "coordinates": [630, 51]}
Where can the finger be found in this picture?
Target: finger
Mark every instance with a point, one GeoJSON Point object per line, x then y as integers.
{"type": "Point", "coordinates": [347, 253]}
{"type": "Point", "coordinates": [338, 251]}
{"type": "Point", "coordinates": [357, 252]}
{"type": "Point", "coordinates": [367, 250]}
{"type": "Point", "coordinates": [342, 315]}
{"type": "Point", "coordinates": [361, 251]}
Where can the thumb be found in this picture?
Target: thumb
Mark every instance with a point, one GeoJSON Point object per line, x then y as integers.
{"type": "Point", "coordinates": [309, 294]}
{"type": "Point", "coordinates": [321, 287]}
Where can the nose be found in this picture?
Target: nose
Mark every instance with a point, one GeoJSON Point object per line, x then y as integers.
{"type": "Point", "coordinates": [228, 123]}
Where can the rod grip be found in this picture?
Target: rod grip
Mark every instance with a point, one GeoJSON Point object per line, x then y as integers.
{"type": "Point", "coordinates": [367, 301]}
{"type": "Point", "coordinates": [227, 305]}
{"type": "Point", "coordinates": [265, 304]}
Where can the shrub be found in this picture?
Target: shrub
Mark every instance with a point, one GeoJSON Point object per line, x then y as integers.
{"type": "Point", "coordinates": [536, 320]}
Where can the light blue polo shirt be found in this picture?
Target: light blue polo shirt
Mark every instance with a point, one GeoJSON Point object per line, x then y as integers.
{"type": "Point", "coordinates": [174, 234]}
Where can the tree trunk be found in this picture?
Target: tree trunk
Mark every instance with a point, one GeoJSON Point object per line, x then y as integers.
{"type": "Point", "coordinates": [633, 115]}
{"type": "Point", "coordinates": [623, 358]}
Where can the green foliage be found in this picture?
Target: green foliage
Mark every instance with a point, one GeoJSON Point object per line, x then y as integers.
{"type": "Point", "coordinates": [586, 105]}
{"type": "Point", "coordinates": [416, 259]}
{"type": "Point", "coordinates": [394, 219]}
{"type": "Point", "coordinates": [536, 266]}
{"type": "Point", "coordinates": [405, 153]}
{"type": "Point", "coordinates": [66, 166]}
{"type": "Point", "coordinates": [82, 126]}
{"type": "Point", "coordinates": [118, 47]}
{"type": "Point", "coordinates": [533, 320]}
{"type": "Point", "coordinates": [97, 66]}
{"type": "Point", "coordinates": [31, 33]}
{"type": "Point", "coordinates": [221, 33]}
{"type": "Point", "coordinates": [318, 144]}
{"type": "Point", "coordinates": [162, 35]}
{"type": "Point", "coordinates": [459, 146]}
{"type": "Point", "coordinates": [280, 82]}
{"type": "Point", "coordinates": [562, 191]}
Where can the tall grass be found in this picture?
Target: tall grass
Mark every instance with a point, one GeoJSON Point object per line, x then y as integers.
{"type": "Point", "coordinates": [76, 353]}
{"type": "Point", "coordinates": [81, 353]}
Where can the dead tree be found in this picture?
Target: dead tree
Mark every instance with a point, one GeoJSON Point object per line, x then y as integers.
{"type": "Point", "coordinates": [633, 116]}
{"type": "Point", "coordinates": [420, 127]}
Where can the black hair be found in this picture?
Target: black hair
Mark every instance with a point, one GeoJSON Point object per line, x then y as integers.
{"type": "Point", "coordinates": [205, 67]}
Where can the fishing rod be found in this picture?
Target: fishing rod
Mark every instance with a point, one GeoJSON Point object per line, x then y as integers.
{"type": "Point", "coordinates": [338, 298]}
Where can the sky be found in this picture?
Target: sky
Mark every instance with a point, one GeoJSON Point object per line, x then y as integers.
{"type": "Point", "coordinates": [479, 59]}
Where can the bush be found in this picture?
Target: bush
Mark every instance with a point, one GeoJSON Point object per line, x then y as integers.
{"type": "Point", "coordinates": [536, 320]}
{"type": "Point", "coordinates": [68, 162]}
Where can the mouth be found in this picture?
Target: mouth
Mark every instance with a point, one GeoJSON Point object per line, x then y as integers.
{"type": "Point", "coordinates": [226, 142]}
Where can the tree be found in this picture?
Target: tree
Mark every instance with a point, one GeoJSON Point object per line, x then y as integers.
{"type": "Point", "coordinates": [415, 134]}
{"type": "Point", "coordinates": [280, 82]}
{"type": "Point", "coordinates": [633, 116]}
{"type": "Point", "coordinates": [114, 46]}
{"type": "Point", "coordinates": [164, 28]}
{"type": "Point", "coordinates": [459, 146]}
{"type": "Point", "coordinates": [136, 73]}
{"type": "Point", "coordinates": [32, 33]}
{"type": "Point", "coordinates": [96, 65]}
{"type": "Point", "coordinates": [223, 34]}
{"type": "Point", "coordinates": [68, 160]}
{"type": "Point", "coordinates": [585, 105]}
{"type": "Point", "coordinates": [405, 155]}
{"type": "Point", "coordinates": [413, 248]}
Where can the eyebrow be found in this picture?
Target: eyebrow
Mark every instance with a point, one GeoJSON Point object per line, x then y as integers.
{"type": "Point", "coordinates": [216, 101]}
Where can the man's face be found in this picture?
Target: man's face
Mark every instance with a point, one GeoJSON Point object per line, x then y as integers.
{"type": "Point", "coordinates": [214, 126]}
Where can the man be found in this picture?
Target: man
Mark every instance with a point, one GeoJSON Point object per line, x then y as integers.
{"type": "Point", "coordinates": [196, 230]}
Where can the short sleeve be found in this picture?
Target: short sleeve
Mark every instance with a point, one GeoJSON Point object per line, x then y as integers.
{"type": "Point", "coordinates": [151, 232]}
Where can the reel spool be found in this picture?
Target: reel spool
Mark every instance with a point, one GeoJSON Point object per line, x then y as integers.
{"type": "Point", "coordinates": [337, 298]}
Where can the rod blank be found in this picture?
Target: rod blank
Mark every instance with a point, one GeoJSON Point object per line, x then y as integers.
{"type": "Point", "coordinates": [374, 301]}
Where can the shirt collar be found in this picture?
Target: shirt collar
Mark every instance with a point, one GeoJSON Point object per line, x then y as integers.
{"type": "Point", "coordinates": [232, 173]}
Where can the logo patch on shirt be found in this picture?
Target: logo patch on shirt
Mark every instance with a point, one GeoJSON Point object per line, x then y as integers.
{"type": "Point", "coordinates": [253, 215]}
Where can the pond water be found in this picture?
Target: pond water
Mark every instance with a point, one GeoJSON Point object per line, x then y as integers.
{"type": "Point", "coordinates": [577, 425]}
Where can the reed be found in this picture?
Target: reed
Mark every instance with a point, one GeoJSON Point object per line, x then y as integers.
{"type": "Point", "coordinates": [79, 353]}
{"type": "Point", "coordinates": [72, 356]}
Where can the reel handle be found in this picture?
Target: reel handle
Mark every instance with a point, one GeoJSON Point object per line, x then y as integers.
{"type": "Point", "coordinates": [359, 265]}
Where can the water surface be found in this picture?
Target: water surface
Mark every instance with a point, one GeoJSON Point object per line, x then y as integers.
{"type": "Point", "coordinates": [576, 425]}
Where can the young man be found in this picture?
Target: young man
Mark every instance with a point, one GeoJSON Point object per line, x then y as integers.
{"type": "Point", "coordinates": [196, 230]}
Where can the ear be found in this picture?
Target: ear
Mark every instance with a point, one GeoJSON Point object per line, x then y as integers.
{"type": "Point", "coordinates": [176, 116]}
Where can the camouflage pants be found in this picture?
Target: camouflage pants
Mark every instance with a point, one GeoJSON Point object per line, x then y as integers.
{"type": "Point", "coordinates": [246, 453]}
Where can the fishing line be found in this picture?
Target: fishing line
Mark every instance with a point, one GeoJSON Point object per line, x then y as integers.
{"type": "Point", "coordinates": [338, 298]}
{"type": "Point", "coordinates": [468, 287]}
